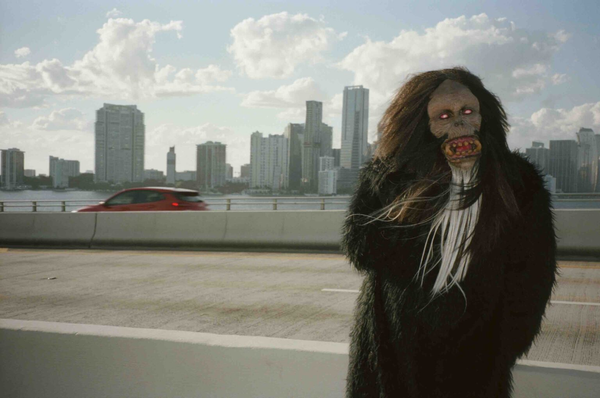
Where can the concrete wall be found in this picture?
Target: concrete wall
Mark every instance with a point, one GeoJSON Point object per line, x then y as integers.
{"type": "Point", "coordinates": [70, 229]}
{"type": "Point", "coordinates": [43, 359]}
{"type": "Point", "coordinates": [578, 230]}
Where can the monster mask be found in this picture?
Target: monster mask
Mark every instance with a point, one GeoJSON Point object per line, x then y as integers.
{"type": "Point", "coordinates": [454, 113]}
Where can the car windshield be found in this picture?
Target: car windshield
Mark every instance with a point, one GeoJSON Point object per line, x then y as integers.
{"type": "Point", "coordinates": [124, 198]}
{"type": "Point", "coordinates": [189, 196]}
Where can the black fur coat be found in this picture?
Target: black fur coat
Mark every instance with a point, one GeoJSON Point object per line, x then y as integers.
{"type": "Point", "coordinates": [458, 345]}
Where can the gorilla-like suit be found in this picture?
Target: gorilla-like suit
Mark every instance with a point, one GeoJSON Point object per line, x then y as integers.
{"type": "Point", "coordinates": [455, 236]}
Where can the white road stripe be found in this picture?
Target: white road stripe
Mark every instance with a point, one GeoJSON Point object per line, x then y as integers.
{"type": "Point", "coordinates": [552, 302]}
{"type": "Point", "coordinates": [574, 303]}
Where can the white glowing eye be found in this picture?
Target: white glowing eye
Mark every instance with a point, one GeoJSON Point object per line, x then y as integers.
{"type": "Point", "coordinates": [444, 116]}
{"type": "Point", "coordinates": [467, 111]}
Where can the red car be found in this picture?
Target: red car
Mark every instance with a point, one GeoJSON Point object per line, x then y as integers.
{"type": "Point", "coordinates": [150, 199]}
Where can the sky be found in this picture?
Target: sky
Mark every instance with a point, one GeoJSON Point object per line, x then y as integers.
{"type": "Point", "coordinates": [220, 70]}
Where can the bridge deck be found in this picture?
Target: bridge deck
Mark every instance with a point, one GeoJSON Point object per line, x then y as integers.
{"type": "Point", "coordinates": [297, 296]}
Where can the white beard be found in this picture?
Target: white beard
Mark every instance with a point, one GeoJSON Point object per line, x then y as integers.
{"type": "Point", "coordinates": [455, 229]}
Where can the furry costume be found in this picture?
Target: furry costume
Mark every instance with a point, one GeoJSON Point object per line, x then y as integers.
{"type": "Point", "coordinates": [411, 340]}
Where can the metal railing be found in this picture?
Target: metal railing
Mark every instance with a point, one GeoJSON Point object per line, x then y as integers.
{"type": "Point", "coordinates": [44, 205]}
{"type": "Point", "coordinates": [215, 203]}
{"type": "Point", "coordinates": [244, 203]}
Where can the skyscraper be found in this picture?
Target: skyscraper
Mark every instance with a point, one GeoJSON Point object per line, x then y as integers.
{"type": "Point", "coordinates": [355, 121]}
{"type": "Point", "coordinates": [13, 168]}
{"type": "Point", "coordinates": [588, 161]}
{"type": "Point", "coordinates": [335, 152]}
{"type": "Point", "coordinates": [597, 137]}
{"type": "Point", "coordinates": [326, 135]}
{"type": "Point", "coordinates": [539, 156]}
{"type": "Point", "coordinates": [171, 165]}
{"type": "Point", "coordinates": [120, 143]}
{"type": "Point", "coordinates": [61, 170]}
{"type": "Point", "coordinates": [327, 176]}
{"type": "Point", "coordinates": [295, 136]}
{"type": "Point", "coordinates": [210, 164]}
{"type": "Point", "coordinates": [245, 171]}
{"type": "Point", "coordinates": [312, 145]}
{"type": "Point", "coordinates": [563, 164]}
{"type": "Point", "coordinates": [269, 161]}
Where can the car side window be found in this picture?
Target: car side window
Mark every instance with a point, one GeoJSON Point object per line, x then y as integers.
{"type": "Point", "coordinates": [126, 198]}
{"type": "Point", "coordinates": [149, 196]}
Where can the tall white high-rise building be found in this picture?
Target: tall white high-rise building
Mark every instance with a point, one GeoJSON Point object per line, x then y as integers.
{"type": "Point", "coordinates": [327, 176]}
{"type": "Point", "coordinates": [171, 165]}
{"type": "Point", "coordinates": [61, 170]}
{"type": "Point", "coordinates": [13, 168]}
{"type": "Point", "coordinates": [269, 161]}
{"type": "Point", "coordinates": [326, 163]}
{"type": "Point", "coordinates": [355, 121]}
{"type": "Point", "coordinates": [120, 142]}
{"type": "Point", "coordinates": [211, 159]}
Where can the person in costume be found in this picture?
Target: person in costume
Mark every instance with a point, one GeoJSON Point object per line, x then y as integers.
{"type": "Point", "coordinates": [454, 234]}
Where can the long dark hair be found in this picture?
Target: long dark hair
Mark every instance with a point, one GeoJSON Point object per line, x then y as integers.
{"type": "Point", "coordinates": [408, 146]}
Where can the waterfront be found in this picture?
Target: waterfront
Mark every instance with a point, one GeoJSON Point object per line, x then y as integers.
{"type": "Point", "coordinates": [79, 199]}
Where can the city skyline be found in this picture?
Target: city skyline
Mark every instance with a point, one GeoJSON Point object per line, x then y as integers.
{"type": "Point", "coordinates": [213, 72]}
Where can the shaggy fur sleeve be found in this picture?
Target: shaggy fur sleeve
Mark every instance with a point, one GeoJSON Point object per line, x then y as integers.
{"type": "Point", "coordinates": [530, 273]}
{"type": "Point", "coordinates": [369, 243]}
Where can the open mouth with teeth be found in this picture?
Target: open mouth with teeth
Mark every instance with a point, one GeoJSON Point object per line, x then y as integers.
{"type": "Point", "coordinates": [461, 148]}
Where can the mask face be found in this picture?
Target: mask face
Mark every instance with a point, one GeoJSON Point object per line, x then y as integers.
{"type": "Point", "coordinates": [454, 112]}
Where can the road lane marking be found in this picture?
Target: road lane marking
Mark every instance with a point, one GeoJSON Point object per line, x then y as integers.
{"type": "Point", "coordinates": [189, 253]}
{"type": "Point", "coordinates": [580, 266]}
{"type": "Point", "coordinates": [552, 302]}
{"type": "Point", "coordinates": [340, 290]}
{"type": "Point", "coordinates": [574, 303]}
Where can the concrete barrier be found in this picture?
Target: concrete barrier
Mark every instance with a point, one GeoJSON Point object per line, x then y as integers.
{"type": "Point", "coordinates": [578, 230]}
{"type": "Point", "coordinates": [160, 229]}
{"type": "Point", "coordinates": [44, 359]}
{"type": "Point", "coordinates": [47, 229]}
{"type": "Point", "coordinates": [287, 230]}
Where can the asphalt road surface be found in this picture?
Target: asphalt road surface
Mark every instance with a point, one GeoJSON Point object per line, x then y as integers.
{"type": "Point", "coordinates": [296, 296]}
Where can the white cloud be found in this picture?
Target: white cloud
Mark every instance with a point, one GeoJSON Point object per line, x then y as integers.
{"type": "Point", "coordinates": [188, 81]}
{"type": "Point", "coordinates": [274, 45]}
{"type": "Point", "coordinates": [291, 96]}
{"type": "Point", "coordinates": [3, 119]}
{"type": "Point", "coordinates": [22, 52]}
{"type": "Point", "coordinates": [38, 144]}
{"type": "Point", "coordinates": [64, 119]}
{"type": "Point", "coordinates": [185, 140]}
{"type": "Point", "coordinates": [113, 13]}
{"type": "Point", "coordinates": [513, 62]}
{"type": "Point", "coordinates": [120, 66]}
{"type": "Point", "coordinates": [554, 124]}
{"type": "Point", "coordinates": [291, 100]}
{"type": "Point", "coordinates": [6, 124]}
{"type": "Point", "coordinates": [558, 78]}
